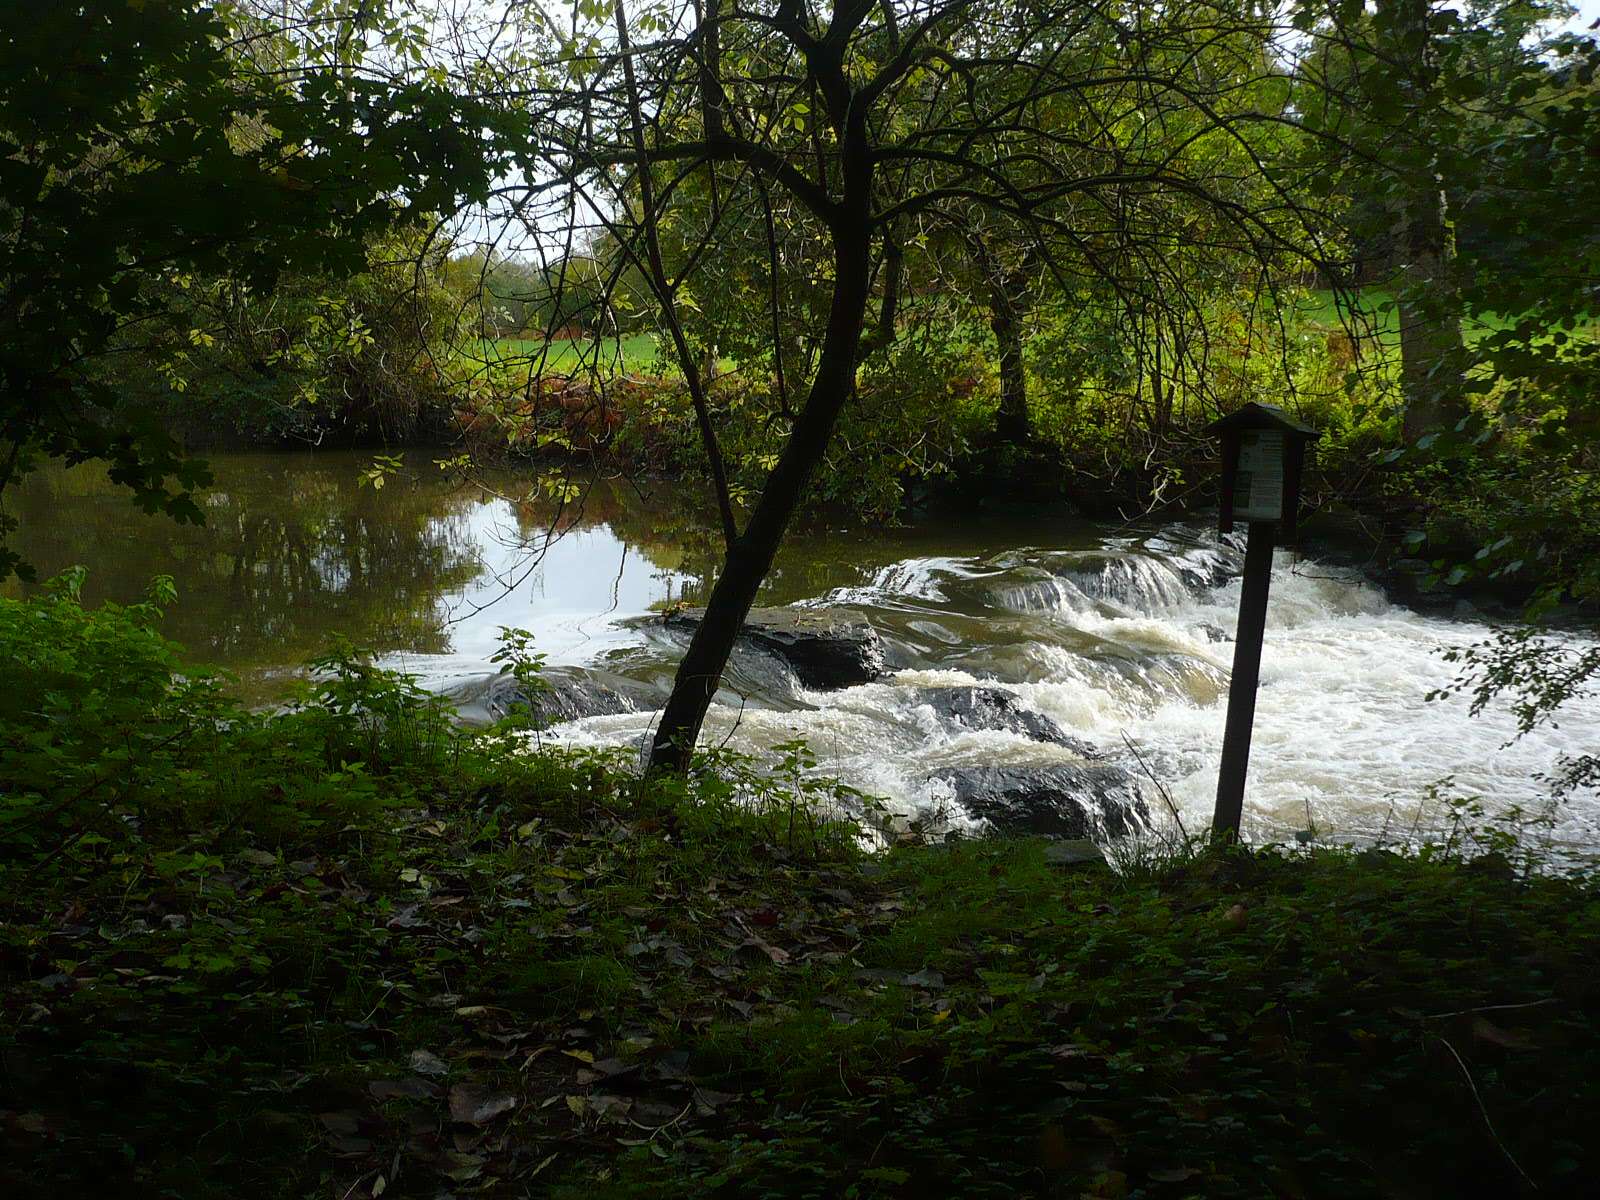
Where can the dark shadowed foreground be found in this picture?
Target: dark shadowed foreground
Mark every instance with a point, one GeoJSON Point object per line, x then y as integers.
{"type": "Point", "coordinates": [352, 950]}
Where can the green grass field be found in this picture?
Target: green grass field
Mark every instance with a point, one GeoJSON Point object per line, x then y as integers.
{"type": "Point", "coordinates": [637, 354]}
{"type": "Point", "coordinates": [631, 355]}
{"type": "Point", "coordinates": [1375, 315]}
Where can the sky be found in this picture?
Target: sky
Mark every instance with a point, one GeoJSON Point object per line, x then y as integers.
{"type": "Point", "coordinates": [1588, 14]}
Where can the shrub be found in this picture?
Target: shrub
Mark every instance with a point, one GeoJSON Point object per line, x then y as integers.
{"type": "Point", "coordinates": [105, 734]}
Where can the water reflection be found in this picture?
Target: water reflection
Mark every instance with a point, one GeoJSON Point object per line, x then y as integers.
{"type": "Point", "coordinates": [1111, 634]}
{"type": "Point", "coordinates": [295, 550]}
{"type": "Point", "coordinates": [427, 569]}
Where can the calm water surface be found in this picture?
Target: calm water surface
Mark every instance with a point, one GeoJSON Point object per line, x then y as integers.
{"type": "Point", "coordinates": [1118, 634]}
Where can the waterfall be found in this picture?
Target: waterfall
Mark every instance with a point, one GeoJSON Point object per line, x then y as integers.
{"type": "Point", "coordinates": [1132, 641]}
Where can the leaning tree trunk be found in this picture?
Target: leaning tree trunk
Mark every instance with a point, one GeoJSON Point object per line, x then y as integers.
{"type": "Point", "coordinates": [750, 556]}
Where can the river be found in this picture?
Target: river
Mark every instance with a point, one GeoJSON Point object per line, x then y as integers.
{"type": "Point", "coordinates": [1120, 635]}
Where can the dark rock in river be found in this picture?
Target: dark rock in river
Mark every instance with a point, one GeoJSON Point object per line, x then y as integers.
{"type": "Point", "coordinates": [996, 708]}
{"type": "Point", "coordinates": [1059, 801]}
{"type": "Point", "coordinates": [826, 648]}
{"type": "Point", "coordinates": [563, 698]}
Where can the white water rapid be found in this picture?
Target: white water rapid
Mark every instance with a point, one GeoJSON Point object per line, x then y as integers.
{"type": "Point", "coordinates": [1132, 642]}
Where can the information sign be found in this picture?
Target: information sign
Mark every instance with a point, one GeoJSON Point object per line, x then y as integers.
{"type": "Point", "coordinates": [1258, 487]}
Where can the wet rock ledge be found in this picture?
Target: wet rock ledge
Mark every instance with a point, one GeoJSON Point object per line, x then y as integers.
{"type": "Point", "coordinates": [827, 649]}
{"type": "Point", "coordinates": [1058, 800]}
{"type": "Point", "coordinates": [565, 696]}
{"type": "Point", "coordinates": [982, 707]}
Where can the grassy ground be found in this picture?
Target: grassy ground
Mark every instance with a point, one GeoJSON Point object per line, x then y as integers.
{"type": "Point", "coordinates": [632, 355]}
{"type": "Point", "coordinates": [349, 950]}
{"type": "Point", "coordinates": [1375, 316]}
{"type": "Point", "coordinates": [550, 988]}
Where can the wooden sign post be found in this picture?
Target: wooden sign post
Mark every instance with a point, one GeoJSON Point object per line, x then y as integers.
{"type": "Point", "coordinates": [1263, 452]}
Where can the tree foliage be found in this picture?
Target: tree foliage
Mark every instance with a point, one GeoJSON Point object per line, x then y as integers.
{"type": "Point", "coordinates": [768, 171]}
{"type": "Point", "coordinates": [142, 145]}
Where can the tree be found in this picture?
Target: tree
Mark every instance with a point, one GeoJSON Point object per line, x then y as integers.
{"type": "Point", "coordinates": [1432, 352]}
{"type": "Point", "coordinates": [873, 122]}
{"type": "Point", "coordinates": [1430, 121]}
{"type": "Point", "coordinates": [142, 145]}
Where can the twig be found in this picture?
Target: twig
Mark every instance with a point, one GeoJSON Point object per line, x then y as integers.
{"type": "Point", "coordinates": [1165, 795]}
{"type": "Point", "coordinates": [655, 1129]}
{"type": "Point", "coordinates": [1484, 1112]}
{"type": "Point", "coordinates": [1466, 1012]}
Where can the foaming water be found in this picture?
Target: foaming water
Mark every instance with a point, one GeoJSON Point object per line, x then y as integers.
{"type": "Point", "coordinates": [1131, 643]}
{"type": "Point", "coordinates": [1117, 636]}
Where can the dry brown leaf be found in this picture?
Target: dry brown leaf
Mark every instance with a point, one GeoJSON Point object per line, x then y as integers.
{"type": "Point", "coordinates": [478, 1106]}
{"type": "Point", "coordinates": [339, 1122]}
{"type": "Point", "coordinates": [402, 1089]}
{"type": "Point", "coordinates": [1486, 1030]}
{"type": "Point", "coordinates": [777, 954]}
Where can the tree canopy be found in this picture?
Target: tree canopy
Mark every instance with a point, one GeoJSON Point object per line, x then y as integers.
{"type": "Point", "coordinates": [142, 145]}
{"type": "Point", "coordinates": [857, 236]}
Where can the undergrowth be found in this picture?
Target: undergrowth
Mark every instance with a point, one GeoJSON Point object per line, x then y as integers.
{"type": "Point", "coordinates": [350, 949]}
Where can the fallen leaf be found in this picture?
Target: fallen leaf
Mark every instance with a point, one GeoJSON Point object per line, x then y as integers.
{"type": "Point", "coordinates": [478, 1106]}
{"type": "Point", "coordinates": [708, 1101]}
{"type": "Point", "coordinates": [339, 1122]}
{"type": "Point", "coordinates": [406, 918]}
{"type": "Point", "coordinates": [614, 1108]}
{"type": "Point", "coordinates": [1174, 1175]}
{"type": "Point", "coordinates": [462, 1168]}
{"type": "Point", "coordinates": [402, 1089]}
{"type": "Point", "coordinates": [1507, 1039]}
{"type": "Point", "coordinates": [777, 954]}
{"type": "Point", "coordinates": [425, 1062]}
{"type": "Point", "coordinates": [877, 975]}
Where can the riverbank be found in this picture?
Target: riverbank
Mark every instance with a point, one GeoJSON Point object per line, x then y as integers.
{"type": "Point", "coordinates": [1103, 632]}
{"type": "Point", "coordinates": [1417, 540]}
{"type": "Point", "coordinates": [350, 949]}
